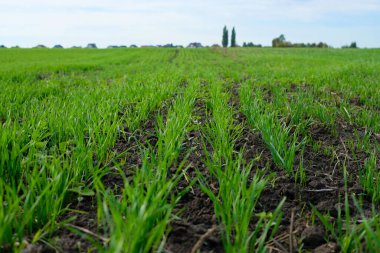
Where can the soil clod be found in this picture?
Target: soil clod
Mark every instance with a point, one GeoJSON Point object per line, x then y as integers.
{"type": "Point", "coordinates": [313, 237]}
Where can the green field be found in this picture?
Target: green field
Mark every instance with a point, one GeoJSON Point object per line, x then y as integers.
{"type": "Point", "coordinates": [189, 150]}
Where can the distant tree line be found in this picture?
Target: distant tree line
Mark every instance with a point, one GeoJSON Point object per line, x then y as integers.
{"type": "Point", "coordinates": [280, 41]}
{"type": "Point", "coordinates": [250, 44]}
{"type": "Point", "coordinates": [225, 37]}
{"type": "Point", "coordinates": [233, 38]}
{"type": "Point", "coordinates": [352, 45]}
{"type": "Point", "coordinates": [276, 42]}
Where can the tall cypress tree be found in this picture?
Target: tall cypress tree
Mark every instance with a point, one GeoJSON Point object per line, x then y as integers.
{"type": "Point", "coordinates": [233, 38]}
{"type": "Point", "coordinates": [225, 37]}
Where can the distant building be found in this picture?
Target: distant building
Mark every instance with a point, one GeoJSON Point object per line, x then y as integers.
{"type": "Point", "coordinates": [40, 46]}
{"type": "Point", "coordinates": [58, 46]}
{"type": "Point", "coordinates": [195, 45]}
{"type": "Point", "coordinates": [170, 45]}
{"type": "Point", "coordinates": [91, 45]}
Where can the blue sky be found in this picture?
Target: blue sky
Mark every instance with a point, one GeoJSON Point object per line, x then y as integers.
{"type": "Point", "coordinates": [124, 22]}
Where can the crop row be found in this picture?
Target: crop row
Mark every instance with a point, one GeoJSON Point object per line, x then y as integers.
{"type": "Point", "coordinates": [60, 123]}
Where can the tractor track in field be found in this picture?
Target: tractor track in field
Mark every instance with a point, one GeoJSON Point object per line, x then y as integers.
{"type": "Point", "coordinates": [174, 56]}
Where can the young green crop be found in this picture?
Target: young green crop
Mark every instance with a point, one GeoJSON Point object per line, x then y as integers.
{"type": "Point", "coordinates": [282, 144]}
{"type": "Point", "coordinates": [58, 131]}
{"type": "Point", "coordinates": [62, 111]}
{"type": "Point", "coordinates": [235, 200]}
{"type": "Point", "coordinates": [353, 234]}
{"type": "Point", "coordinates": [370, 177]}
{"type": "Point", "coordinates": [137, 220]}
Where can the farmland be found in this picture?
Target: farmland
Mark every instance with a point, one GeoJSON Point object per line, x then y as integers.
{"type": "Point", "coordinates": [189, 150]}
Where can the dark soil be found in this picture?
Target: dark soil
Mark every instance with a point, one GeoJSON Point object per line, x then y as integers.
{"type": "Point", "coordinates": [69, 239]}
{"type": "Point", "coordinates": [131, 144]}
{"type": "Point", "coordinates": [195, 209]}
{"type": "Point", "coordinates": [299, 87]}
{"type": "Point", "coordinates": [72, 238]}
{"type": "Point", "coordinates": [324, 188]}
{"type": "Point", "coordinates": [83, 232]}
